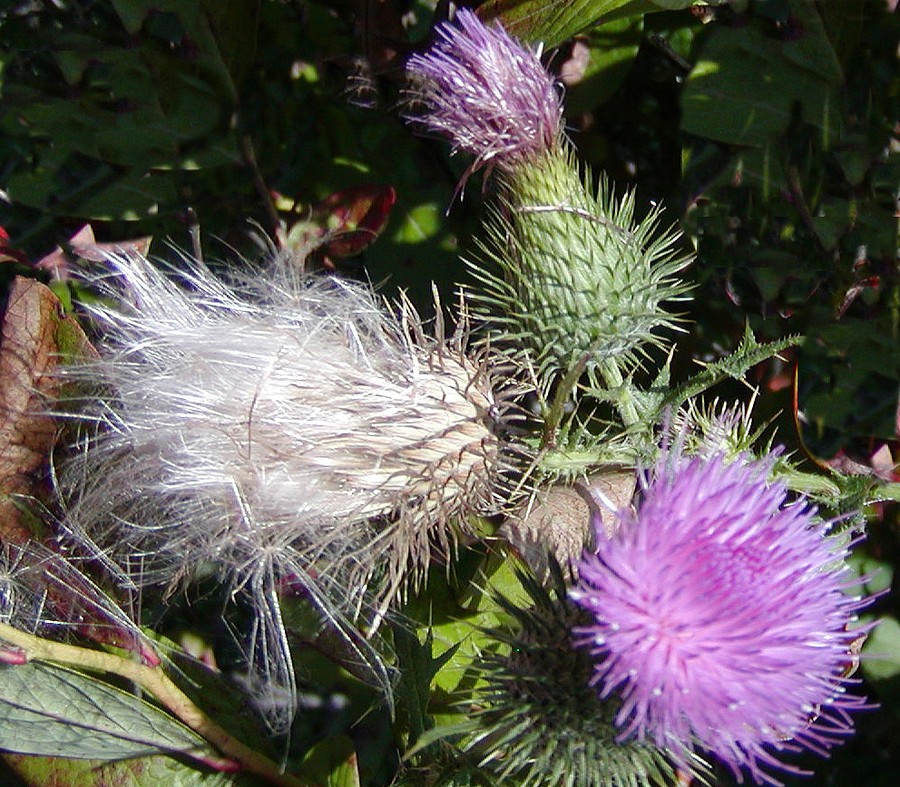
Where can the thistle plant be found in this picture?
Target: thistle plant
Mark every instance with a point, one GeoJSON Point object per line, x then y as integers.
{"type": "Point", "coordinates": [299, 443]}
{"type": "Point", "coordinates": [276, 429]}
{"type": "Point", "coordinates": [717, 615]}
{"type": "Point", "coordinates": [570, 281]}
{"type": "Point", "coordinates": [722, 617]}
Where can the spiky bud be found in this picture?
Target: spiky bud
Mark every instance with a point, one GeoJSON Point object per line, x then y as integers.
{"type": "Point", "coordinates": [537, 720]}
{"type": "Point", "coordinates": [581, 282]}
{"type": "Point", "coordinates": [279, 427]}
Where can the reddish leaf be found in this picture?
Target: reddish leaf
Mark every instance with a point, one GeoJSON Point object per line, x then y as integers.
{"type": "Point", "coordinates": [344, 223]}
{"type": "Point", "coordinates": [7, 252]}
{"type": "Point", "coordinates": [84, 245]}
{"type": "Point", "coordinates": [34, 335]}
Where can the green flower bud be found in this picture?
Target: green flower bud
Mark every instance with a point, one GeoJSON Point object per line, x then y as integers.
{"type": "Point", "coordinates": [580, 282]}
{"type": "Point", "coordinates": [538, 718]}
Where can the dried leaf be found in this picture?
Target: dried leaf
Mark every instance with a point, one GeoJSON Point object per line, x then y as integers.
{"type": "Point", "coordinates": [559, 521]}
{"type": "Point", "coordinates": [35, 334]}
{"type": "Point", "coordinates": [141, 772]}
{"type": "Point", "coordinates": [344, 223]}
{"type": "Point", "coordinates": [83, 244]}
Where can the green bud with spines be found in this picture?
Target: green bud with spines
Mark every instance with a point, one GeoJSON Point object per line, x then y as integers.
{"type": "Point", "coordinates": [537, 718]}
{"type": "Point", "coordinates": [568, 276]}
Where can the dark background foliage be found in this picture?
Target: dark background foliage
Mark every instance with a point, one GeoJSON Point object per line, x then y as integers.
{"type": "Point", "coordinates": [769, 128]}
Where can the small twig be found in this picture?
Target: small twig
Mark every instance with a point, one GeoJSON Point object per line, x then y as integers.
{"type": "Point", "coordinates": [799, 200]}
{"type": "Point", "coordinates": [155, 681]}
{"type": "Point", "coordinates": [262, 189]}
{"type": "Point", "coordinates": [194, 234]}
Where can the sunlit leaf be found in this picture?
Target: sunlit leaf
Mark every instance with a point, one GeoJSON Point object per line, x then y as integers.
{"type": "Point", "coordinates": [551, 23]}
{"type": "Point", "coordinates": [332, 763]}
{"type": "Point", "coordinates": [55, 712]}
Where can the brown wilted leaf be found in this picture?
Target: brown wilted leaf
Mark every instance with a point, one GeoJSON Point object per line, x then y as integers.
{"type": "Point", "coordinates": [83, 244]}
{"type": "Point", "coordinates": [558, 520]}
{"type": "Point", "coordinates": [34, 334]}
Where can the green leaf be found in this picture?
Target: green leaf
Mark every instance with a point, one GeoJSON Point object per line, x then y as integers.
{"type": "Point", "coordinates": [889, 491]}
{"type": "Point", "coordinates": [455, 615]}
{"type": "Point", "coordinates": [143, 772]}
{"type": "Point", "coordinates": [417, 671]}
{"type": "Point", "coordinates": [56, 712]}
{"type": "Point", "coordinates": [883, 651]}
{"type": "Point", "coordinates": [747, 87]}
{"type": "Point", "coordinates": [332, 763]}
{"type": "Point", "coordinates": [553, 22]}
{"type": "Point", "coordinates": [878, 573]}
{"type": "Point", "coordinates": [420, 223]}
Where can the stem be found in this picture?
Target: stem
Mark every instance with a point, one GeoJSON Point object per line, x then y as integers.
{"type": "Point", "coordinates": [161, 686]}
{"type": "Point", "coordinates": [259, 184]}
{"type": "Point", "coordinates": [558, 405]}
{"type": "Point", "coordinates": [800, 204]}
{"type": "Point", "coordinates": [612, 376]}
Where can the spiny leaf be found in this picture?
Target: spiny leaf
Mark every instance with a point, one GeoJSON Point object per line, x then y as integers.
{"type": "Point", "coordinates": [417, 670]}
{"type": "Point", "coordinates": [735, 365]}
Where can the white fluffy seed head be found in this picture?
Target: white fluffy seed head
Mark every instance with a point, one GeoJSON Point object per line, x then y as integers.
{"type": "Point", "coordinates": [279, 427]}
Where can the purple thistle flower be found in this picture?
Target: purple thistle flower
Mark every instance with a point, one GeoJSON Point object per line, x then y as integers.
{"type": "Point", "coordinates": [721, 618]}
{"type": "Point", "coordinates": [487, 92]}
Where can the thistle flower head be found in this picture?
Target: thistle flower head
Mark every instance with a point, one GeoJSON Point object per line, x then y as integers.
{"type": "Point", "coordinates": [578, 278]}
{"type": "Point", "coordinates": [279, 427]}
{"type": "Point", "coordinates": [707, 428]}
{"type": "Point", "coordinates": [720, 618]}
{"type": "Point", "coordinates": [487, 92]}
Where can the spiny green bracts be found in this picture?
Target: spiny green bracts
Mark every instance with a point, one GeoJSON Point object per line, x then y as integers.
{"type": "Point", "coordinates": [539, 721]}
{"type": "Point", "coordinates": [580, 282]}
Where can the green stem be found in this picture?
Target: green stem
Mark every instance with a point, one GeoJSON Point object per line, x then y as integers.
{"type": "Point", "coordinates": [557, 408]}
{"type": "Point", "coordinates": [612, 376]}
{"type": "Point", "coordinates": [161, 686]}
